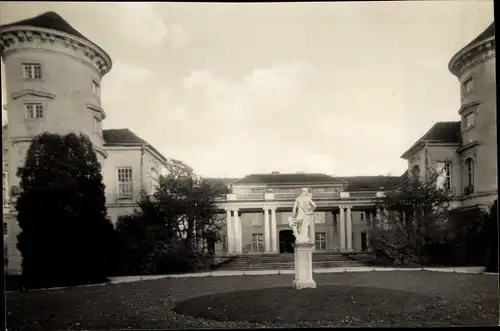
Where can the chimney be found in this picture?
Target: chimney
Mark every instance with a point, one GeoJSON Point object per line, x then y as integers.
{"type": "Point", "coordinates": [275, 173]}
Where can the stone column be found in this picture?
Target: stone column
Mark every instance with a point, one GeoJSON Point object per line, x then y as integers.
{"type": "Point", "coordinates": [267, 243]}
{"type": "Point", "coordinates": [369, 227]}
{"type": "Point", "coordinates": [378, 217]}
{"type": "Point", "coordinates": [237, 233]}
{"type": "Point", "coordinates": [342, 228]}
{"type": "Point", "coordinates": [274, 240]}
{"type": "Point", "coordinates": [312, 232]}
{"type": "Point", "coordinates": [230, 232]}
{"type": "Point", "coordinates": [349, 229]}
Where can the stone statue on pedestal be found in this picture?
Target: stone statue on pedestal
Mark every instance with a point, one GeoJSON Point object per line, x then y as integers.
{"type": "Point", "coordinates": [302, 216]}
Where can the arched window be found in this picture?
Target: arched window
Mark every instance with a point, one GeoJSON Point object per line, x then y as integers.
{"type": "Point", "coordinates": [469, 171]}
{"type": "Point", "coordinates": [415, 171]}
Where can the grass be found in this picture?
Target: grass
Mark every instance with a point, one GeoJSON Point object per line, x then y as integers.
{"type": "Point", "coordinates": [347, 299]}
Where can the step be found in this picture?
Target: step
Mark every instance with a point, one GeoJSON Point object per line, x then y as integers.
{"type": "Point", "coordinates": [285, 266]}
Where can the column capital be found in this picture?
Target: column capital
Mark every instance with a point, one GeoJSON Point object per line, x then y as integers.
{"type": "Point", "coordinates": [235, 209]}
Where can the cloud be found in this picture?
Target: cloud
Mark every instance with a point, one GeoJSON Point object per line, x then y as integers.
{"type": "Point", "coordinates": [139, 21]}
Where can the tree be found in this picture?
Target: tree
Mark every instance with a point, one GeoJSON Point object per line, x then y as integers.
{"type": "Point", "coordinates": [173, 226]}
{"type": "Point", "coordinates": [416, 212]}
{"type": "Point", "coordinates": [66, 236]}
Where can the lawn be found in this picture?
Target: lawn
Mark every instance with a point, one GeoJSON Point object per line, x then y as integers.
{"type": "Point", "coordinates": [403, 298]}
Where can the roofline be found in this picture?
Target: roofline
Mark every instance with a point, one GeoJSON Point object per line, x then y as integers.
{"type": "Point", "coordinates": [147, 145]}
{"type": "Point", "coordinates": [416, 146]}
{"type": "Point", "coordinates": [464, 50]}
{"type": "Point", "coordinates": [153, 151]}
{"type": "Point", "coordinates": [291, 183]}
{"type": "Point", "coordinates": [62, 34]}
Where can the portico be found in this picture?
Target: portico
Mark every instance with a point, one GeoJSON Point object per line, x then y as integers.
{"type": "Point", "coordinates": [259, 206]}
{"type": "Point", "coordinates": [332, 229]}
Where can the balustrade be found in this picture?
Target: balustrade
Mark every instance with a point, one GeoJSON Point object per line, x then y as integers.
{"type": "Point", "coordinates": [280, 196]}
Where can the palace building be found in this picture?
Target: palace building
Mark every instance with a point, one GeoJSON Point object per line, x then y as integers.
{"type": "Point", "coordinates": [463, 152]}
{"type": "Point", "coordinates": [53, 78]}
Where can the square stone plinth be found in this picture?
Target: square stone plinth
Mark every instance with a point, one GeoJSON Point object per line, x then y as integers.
{"type": "Point", "coordinates": [303, 266]}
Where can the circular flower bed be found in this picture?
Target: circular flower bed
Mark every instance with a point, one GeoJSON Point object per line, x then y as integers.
{"type": "Point", "coordinates": [326, 305]}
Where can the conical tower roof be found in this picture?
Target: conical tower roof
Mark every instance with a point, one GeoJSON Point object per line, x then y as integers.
{"type": "Point", "coordinates": [48, 20]}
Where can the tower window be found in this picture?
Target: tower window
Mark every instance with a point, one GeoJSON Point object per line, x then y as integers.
{"type": "Point", "coordinates": [34, 110]}
{"type": "Point", "coordinates": [96, 88]}
{"type": "Point", "coordinates": [32, 71]}
{"type": "Point", "coordinates": [469, 120]}
{"type": "Point", "coordinates": [468, 86]}
{"type": "Point", "coordinates": [97, 125]}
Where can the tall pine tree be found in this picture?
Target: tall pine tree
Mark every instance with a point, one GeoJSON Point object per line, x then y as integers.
{"type": "Point", "coordinates": [66, 237]}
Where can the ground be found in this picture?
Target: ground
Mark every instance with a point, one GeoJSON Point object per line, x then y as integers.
{"type": "Point", "coordinates": [405, 298]}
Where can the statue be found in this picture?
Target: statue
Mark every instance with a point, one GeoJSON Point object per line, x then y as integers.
{"type": "Point", "coordinates": [302, 216]}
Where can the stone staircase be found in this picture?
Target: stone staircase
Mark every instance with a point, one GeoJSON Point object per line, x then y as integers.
{"type": "Point", "coordinates": [285, 262]}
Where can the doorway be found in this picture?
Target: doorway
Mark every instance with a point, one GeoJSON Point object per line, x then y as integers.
{"type": "Point", "coordinates": [287, 239]}
{"type": "Point", "coordinates": [363, 241]}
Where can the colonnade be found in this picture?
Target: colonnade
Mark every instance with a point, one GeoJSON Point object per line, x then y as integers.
{"type": "Point", "coordinates": [344, 229]}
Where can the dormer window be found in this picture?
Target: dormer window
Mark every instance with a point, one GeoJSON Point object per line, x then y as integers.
{"type": "Point", "coordinates": [32, 71]}
{"type": "Point", "coordinates": [96, 88]}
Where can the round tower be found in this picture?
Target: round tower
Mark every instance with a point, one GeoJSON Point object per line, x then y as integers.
{"type": "Point", "coordinates": [53, 81]}
{"type": "Point", "coordinates": [474, 66]}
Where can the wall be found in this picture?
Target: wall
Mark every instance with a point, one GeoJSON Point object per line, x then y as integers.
{"type": "Point", "coordinates": [484, 131]}
{"type": "Point", "coordinates": [121, 157]}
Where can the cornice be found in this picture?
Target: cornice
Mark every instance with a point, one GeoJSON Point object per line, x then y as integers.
{"type": "Point", "coordinates": [97, 109]}
{"type": "Point", "coordinates": [468, 146]}
{"type": "Point", "coordinates": [10, 37]}
{"type": "Point", "coordinates": [33, 92]}
{"type": "Point", "coordinates": [472, 56]}
{"type": "Point", "coordinates": [468, 106]}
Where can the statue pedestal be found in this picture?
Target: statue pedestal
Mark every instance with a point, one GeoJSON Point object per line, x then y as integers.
{"type": "Point", "coordinates": [303, 266]}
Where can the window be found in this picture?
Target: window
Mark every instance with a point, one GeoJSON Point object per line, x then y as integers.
{"type": "Point", "coordinates": [362, 216]}
{"type": "Point", "coordinates": [97, 125]}
{"type": "Point", "coordinates": [443, 170]}
{"type": "Point", "coordinates": [415, 171]}
{"type": "Point", "coordinates": [257, 242]}
{"type": "Point", "coordinates": [34, 110]}
{"type": "Point", "coordinates": [320, 240]}
{"type": "Point", "coordinates": [125, 183]}
{"type": "Point", "coordinates": [469, 169]}
{"type": "Point", "coordinates": [469, 120]}
{"type": "Point", "coordinates": [96, 88]}
{"type": "Point", "coordinates": [32, 71]}
{"type": "Point", "coordinates": [5, 188]}
{"type": "Point", "coordinates": [468, 86]}
{"type": "Point", "coordinates": [5, 228]}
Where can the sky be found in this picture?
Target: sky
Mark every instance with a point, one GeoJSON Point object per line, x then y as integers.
{"type": "Point", "coordinates": [341, 88]}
